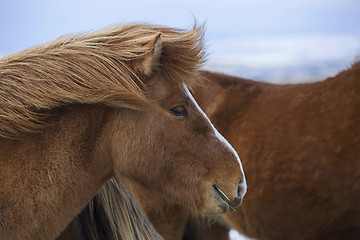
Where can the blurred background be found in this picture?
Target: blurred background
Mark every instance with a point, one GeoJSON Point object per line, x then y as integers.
{"type": "Point", "coordinates": [279, 41]}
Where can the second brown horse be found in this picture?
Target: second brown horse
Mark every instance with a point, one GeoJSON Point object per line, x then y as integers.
{"type": "Point", "coordinates": [300, 145]}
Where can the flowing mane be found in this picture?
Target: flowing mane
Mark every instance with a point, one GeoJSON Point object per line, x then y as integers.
{"type": "Point", "coordinates": [96, 67]}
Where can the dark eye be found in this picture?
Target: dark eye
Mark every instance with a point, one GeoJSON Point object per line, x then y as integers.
{"type": "Point", "coordinates": [179, 110]}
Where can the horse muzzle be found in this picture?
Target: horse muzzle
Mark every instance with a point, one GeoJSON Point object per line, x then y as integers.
{"type": "Point", "coordinates": [235, 202]}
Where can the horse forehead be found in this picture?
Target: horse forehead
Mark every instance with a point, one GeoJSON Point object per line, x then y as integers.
{"type": "Point", "coordinates": [165, 88]}
{"type": "Point", "coordinates": [189, 96]}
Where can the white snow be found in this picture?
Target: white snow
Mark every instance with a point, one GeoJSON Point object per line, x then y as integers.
{"type": "Point", "coordinates": [234, 235]}
{"type": "Point", "coordinates": [284, 58]}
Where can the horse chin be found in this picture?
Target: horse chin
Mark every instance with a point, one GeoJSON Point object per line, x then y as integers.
{"type": "Point", "coordinates": [214, 205]}
{"type": "Point", "coordinates": [221, 208]}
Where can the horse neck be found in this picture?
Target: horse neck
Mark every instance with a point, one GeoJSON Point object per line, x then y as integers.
{"type": "Point", "coordinates": [168, 219]}
{"type": "Point", "coordinates": [47, 178]}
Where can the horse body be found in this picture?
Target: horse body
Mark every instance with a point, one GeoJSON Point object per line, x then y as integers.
{"type": "Point", "coordinates": [300, 145]}
{"type": "Point", "coordinates": [81, 110]}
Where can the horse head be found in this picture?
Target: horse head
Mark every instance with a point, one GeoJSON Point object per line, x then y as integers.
{"type": "Point", "coordinates": [172, 148]}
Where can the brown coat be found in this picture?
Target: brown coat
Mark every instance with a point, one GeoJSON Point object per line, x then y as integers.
{"type": "Point", "coordinates": [300, 146]}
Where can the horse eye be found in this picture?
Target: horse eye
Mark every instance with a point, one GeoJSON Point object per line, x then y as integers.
{"type": "Point", "coordinates": [179, 110]}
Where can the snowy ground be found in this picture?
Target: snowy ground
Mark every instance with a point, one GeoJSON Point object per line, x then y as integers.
{"type": "Point", "coordinates": [284, 58]}
{"type": "Point", "coordinates": [234, 235]}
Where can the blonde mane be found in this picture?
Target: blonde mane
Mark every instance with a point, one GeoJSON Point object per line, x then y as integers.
{"type": "Point", "coordinates": [113, 214]}
{"type": "Point", "coordinates": [97, 67]}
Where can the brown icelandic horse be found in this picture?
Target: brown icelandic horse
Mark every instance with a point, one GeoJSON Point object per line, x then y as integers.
{"type": "Point", "coordinates": [300, 145]}
{"type": "Point", "coordinates": [80, 110]}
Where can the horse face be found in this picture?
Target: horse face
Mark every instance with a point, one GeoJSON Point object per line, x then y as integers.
{"type": "Point", "coordinates": [178, 153]}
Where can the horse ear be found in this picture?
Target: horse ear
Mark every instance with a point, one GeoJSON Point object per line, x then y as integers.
{"type": "Point", "coordinates": [152, 57]}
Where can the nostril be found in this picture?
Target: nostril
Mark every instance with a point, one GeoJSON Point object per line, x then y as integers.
{"type": "Point", "coordinates": [242, 188]}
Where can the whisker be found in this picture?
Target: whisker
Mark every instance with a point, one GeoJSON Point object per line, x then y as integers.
{"type": "Point", "coordinates": [221, 192]}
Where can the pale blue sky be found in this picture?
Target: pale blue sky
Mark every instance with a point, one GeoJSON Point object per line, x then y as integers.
{"type": "Point", "coordinates": [24, 22]}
